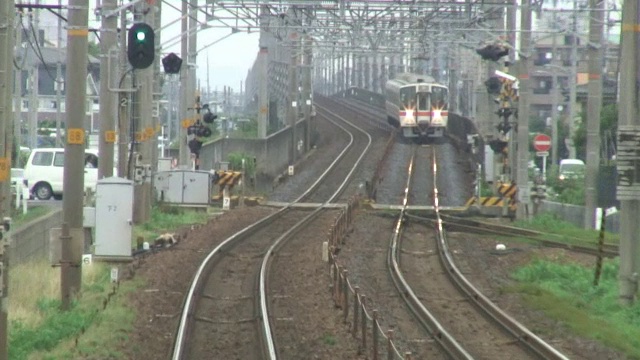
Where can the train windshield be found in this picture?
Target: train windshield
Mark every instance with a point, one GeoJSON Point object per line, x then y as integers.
{"type": "Point", "coordinates": [439, 98]}
{"type": "Point", "coordinates": [423, 101]}
{"type": "Point", "coordinates": [408, 97]}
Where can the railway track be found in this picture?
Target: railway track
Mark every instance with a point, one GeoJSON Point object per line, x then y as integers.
{"type": "Point", "coordinates": [459, 341]}
{"type": "Point", "coordinates": [453, 223]}
{"type": "Point", "coordinates": [230, 292]}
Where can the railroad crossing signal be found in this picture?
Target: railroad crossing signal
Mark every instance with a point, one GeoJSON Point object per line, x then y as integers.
{"type": "Point", "coordinates": [171, 63]}
{"type": "Point", "coordinates": [141, 46]}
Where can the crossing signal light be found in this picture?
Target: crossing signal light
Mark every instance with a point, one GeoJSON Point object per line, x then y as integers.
{"type": "Point", "coordinates": [141, 46]}
{"type": "Point", "coordinates": [493, 52]}
{"type": "Point", "coordinates": [494, 85]}
{"type": "Point", "coordinates": [498, 146]}
{"type": "Point", "coordinates": [171, 63]}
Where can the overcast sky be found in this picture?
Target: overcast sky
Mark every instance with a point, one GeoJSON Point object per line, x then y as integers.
{"type": "Point", "coordinates": [229, 60]}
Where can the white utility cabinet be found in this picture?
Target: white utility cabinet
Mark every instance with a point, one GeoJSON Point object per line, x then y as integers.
{"type": "Point", "coordinates": [186, 187]}
{"type": "Point", "coordinates": [114, 217]}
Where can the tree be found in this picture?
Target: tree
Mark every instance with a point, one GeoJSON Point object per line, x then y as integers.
{"type": "Point", "coordinates": [608, 124]}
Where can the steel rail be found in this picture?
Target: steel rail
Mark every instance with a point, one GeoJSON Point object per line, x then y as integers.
{"type": "Point", "coordinates": [426, 319]}
{"type": "Point", "coordinates": [189, 302]}
{"type": "Point", "coordinates": [264, 306]}
{"type": "Point", "coordinates": [472, 225]}
{"type": "Point", "coordinates": [519, 331]}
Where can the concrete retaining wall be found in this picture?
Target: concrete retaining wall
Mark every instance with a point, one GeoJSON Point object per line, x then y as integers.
{"type": "Point", "coordinates": [272, 154]}
{"type": "Point", "coordinates": [30, 242]}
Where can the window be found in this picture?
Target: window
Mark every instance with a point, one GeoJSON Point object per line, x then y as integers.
{"type": "Point", "coordinates": [439, 98]}
{"type": "Point", "coordinates": [42, 158]}
{"type": "Point", "coordinates": [408, 97]}
{"type": "Point", "coordinates": [423, 101]}
{"type": "Point", "coordinates": [59, 160]}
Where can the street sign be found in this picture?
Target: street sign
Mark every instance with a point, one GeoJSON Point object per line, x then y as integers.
{"type": "Point", "coordinates": [542, 142]}
{"type": "Point", "coordinates": [542, 153]}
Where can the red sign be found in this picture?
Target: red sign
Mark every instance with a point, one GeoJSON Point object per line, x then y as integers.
{"type": "Point", "coordinates": [542, 142]}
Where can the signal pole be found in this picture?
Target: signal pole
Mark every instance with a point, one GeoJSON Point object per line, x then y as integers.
{"type": "Point", "coordinates": [627, 166]}
{"type": "Point", "coordinates": [6, 80]}
{"type": "Point", "coordinates": [594, 106]}
{"type": "Point", "coordinates": [183, 157]}
{"type": "Point", "coordinates": [522, 133]}
{"type": "Point", "coordinates": [73, 187]}
{"type": "Point", "coordinates": [107, 98]}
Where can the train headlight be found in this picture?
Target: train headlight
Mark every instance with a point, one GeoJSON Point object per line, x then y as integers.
{"type": "Point", "coordinates": [437, 114]}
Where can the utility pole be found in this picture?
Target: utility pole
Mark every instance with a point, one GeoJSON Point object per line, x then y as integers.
{"type": "Point", "coordinates": [522, 133]}
{"type": "Point", "coordinates": [58, 83]}
{"type": "Point", "coordinates": [107, 139]}
{"type": "Point", "coordinates": [33, 78]}
{"type": "Point", "coordinates": [124, 104]}
{"type": "Point", "coordinates": [191, 64]}
{"type": "Point", "coordinates": [306, 90]}
{"type": "Point", "coordinates": [594, 106]}
{"type": "Point", "coordinates": [572, 81]}
{"type": "Point", "coordinates": [183, 157]}
{"type": "Point", "coordinates": [73, 187]}
{"type": "Point", "coordinates": [6, 78]}
{"type": "Point", "coordinates": [292, 110]}
{"type": "Point", "coordinates": [17, 95]}
{"type": "Point", "coordinates": [627, 166]}
{"type": "Point", "coordinates": [263, 80]}
{"type": "Point", "coordinates": [556, 91]}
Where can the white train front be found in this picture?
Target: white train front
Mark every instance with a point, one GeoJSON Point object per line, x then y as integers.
{"type": "Point", "coordinates": [418, 104]}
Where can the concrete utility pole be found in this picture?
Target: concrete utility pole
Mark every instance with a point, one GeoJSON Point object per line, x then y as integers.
{"type": "Point", "coordinates": [628, 189]}
{"type": "Point", "coordinates": [572, 81]}
{"type": "Point", "coordinates": [34, 79]}
{"type": "Point", "coordinates": [6, 78]}
{"type": "Point", "coordinates": [263, 82]}
{"type": "Point", "coordinates": [124, 103]}
{"type": "Point", "coordinates": [183, 157]}
{"type": "Point", "coordinates": [292, 109]}
{"type": "Point", "coordinates": [191, 62]}
{"type": "Point", "coordinates": [73, 187]}
{"type": "Point", "coordinates": [58, 84]}
{"type": "Point", "coordinates": [306, 90]}
{"type": "Point", "coordinates": [594, 106]}
{"type": "Point", "coordinates": [522, 134]}
{"type": "Point", "coordinates": [556, 91]}
{"type": "Point", "coordinates": [108, 38]}
{"type": "Point", "coordinates": [144, 131]}
{"type": "Point", "coordinates": [17, 94]}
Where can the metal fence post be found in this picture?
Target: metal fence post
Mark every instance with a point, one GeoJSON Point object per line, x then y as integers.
{"type": "Point", "coordinates": [364, 325]}
{"type": "Point", "coordinates": [345, 295]}
{"type": "Point", "coordinates": [374, 334]}
{"type": "Point", "coordinates": [356, 312]}
{"type": "Point", "coordinates": [389, 344]}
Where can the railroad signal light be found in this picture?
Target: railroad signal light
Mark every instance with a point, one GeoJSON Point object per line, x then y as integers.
{"type": "Point", "coordinates": [493, 52]}
{"type": "Point", "coordinates": [171, 63]}
{"type": "Point", "coordinates": [494, 85]}
{"type": "Point", "coordinates": [498, 146]}
{"type": "Point", "coordinates": [141, 46]}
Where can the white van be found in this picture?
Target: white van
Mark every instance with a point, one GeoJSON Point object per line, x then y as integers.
{"type": "Point", "coordinates": [571, 169]}
{"type": "Point", "coordinates": [44, 172]}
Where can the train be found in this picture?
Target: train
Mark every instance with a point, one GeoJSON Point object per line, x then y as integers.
{"type": "Point", "coordinates": [418, 105]}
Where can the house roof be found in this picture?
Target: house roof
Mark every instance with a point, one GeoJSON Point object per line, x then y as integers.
{"type": "Point", "coordinates": [28, 56]}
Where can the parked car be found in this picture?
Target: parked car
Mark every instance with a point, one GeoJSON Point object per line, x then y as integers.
{"type": "Point", "coordinates": [44, 172]}
{"type": "Point", "coordinates": [571, 169]}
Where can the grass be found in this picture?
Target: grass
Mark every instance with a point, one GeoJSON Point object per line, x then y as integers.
{"type": "Point", "coordinates": [165, 219]}
{"type": "Point", "coordinates": [564, 231]}
{"type": "Point", "coordinates": [39, 329]}
{"type": "Point", "coordinates": [565, 291]}
{"type": "Point", "coordinates": [329, 339]}
{"type": "Point", "coordinates": [89, 330]}
{"type": "Point", "coordinates": [33, 213]}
